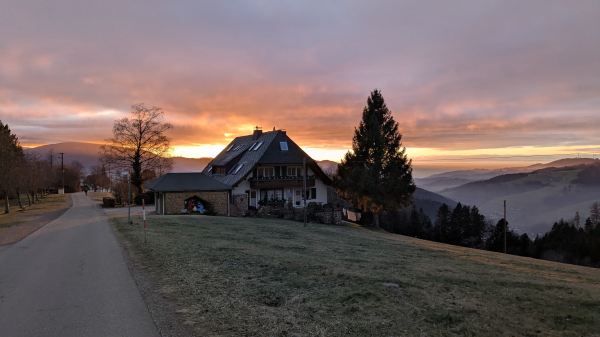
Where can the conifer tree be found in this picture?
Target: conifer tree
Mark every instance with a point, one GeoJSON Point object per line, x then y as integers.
{"type": "Point", "coordinates": [376, 176]}
{"type": "Point", "coordinates": [442, 223]}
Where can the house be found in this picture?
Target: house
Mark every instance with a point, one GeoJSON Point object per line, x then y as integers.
{"type": "Point", "coordinates": [266, 168]}
{"type": "Point", "coordinates": [173, 191]}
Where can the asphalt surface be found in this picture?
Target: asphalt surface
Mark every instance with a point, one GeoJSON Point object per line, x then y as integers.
{"type": "Point", "coordinates": [69, 278]}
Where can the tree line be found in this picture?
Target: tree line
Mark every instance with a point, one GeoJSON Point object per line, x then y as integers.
{"type": "Point", "coordinates": [569, 241]}
{"type": "Point", "coordinates": [31, 174]}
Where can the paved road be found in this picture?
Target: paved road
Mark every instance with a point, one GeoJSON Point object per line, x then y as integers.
{"type": "Point", "coordinates": [70, 279]}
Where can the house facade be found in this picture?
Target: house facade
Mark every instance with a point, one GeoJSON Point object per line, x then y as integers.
{"type": "Point", "coordinates": [266, 168]}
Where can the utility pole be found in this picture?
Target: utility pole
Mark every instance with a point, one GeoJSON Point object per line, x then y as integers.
{"type": "Point", "coordinates": [504, 226]}
{"type": "Point", "coordinates": [304, 187]}
{"type": "Point", "coordinates": [129, 197]}
{"type": "Point", "coordinates": [62, 167]}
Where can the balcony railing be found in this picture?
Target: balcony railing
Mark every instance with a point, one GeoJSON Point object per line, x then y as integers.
{"type": "Point", "coordinates": [281, 182]}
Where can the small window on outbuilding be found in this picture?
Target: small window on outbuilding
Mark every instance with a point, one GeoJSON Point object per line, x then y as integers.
{"type": "Point", "coordinates": [283, 146]}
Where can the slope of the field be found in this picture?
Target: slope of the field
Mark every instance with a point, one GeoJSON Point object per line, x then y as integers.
{"type": "Point", "coordinates": [249, 276]}
{"type": "Point", "coordinates": [534, 200]}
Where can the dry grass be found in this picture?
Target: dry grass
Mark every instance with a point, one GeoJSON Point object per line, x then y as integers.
{"type": "Point", "coordinates": [49, 203]}
{"type": "Point", "coordinates": [241, 276]}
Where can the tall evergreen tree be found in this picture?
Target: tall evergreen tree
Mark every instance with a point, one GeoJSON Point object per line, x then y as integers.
{"type": "Point", "coordinates": [442, 223]}
{"type": "Point", "coordinates": [376, 176]}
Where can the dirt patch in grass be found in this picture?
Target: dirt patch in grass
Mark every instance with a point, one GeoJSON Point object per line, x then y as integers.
{"type": "Point", "coordinates": [240, 276]}
{"type": "Point", "coordinates": [16, 225]}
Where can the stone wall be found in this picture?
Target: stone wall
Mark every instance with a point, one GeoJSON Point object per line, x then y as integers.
{"type": "Point", "coordinates": [325, 215]}
{"type": "Point", "coordinates": [174, 200]}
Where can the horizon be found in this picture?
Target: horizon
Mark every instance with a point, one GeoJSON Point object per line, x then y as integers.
{"type": "Point", "coordinates": [468, 90]}
{"type": "Point", "coordinates": [419, 172]}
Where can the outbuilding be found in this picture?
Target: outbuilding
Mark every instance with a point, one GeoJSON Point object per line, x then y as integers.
{"type": "Point", "coordinates": [177, 193]}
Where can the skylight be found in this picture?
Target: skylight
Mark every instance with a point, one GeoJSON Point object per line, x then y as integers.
{"type": "Point", "coordinates": [238, 168]}
{"type": "Point", "coordinates": [258, 145]}
{"type": "Point", "coordinates": [230, 148]}
{"type": "Point", "coordinates": [283, 146]}
{"type": "Point", "coordinates": [238, 147]}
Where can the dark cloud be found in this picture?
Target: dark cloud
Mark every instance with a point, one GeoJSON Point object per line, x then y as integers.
{"type": "Point", "coordinates": [467, 75]}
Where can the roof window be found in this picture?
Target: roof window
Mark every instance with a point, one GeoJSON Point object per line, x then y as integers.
{"type": "Point", "coordinates": [238, 168]}
{"type": "Point", "coordinates": [258, 145]}
{"type": "Point", "coordinates": [283, 146]}
{"type": "Point", "coordinates": [209, 169]}
{"type": "Point", "coordinates": [230, 147]}
{"type": "Point", "coordinates": [238, 147]}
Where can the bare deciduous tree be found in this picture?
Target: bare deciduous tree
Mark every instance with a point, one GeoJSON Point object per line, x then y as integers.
{"type": "Point", "coordinates": [139, 143]}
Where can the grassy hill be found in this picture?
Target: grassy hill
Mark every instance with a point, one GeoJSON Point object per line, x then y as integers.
{"type": "Point", "coordinates": [534, 200]}
{"type": "Point", "coordinates": [248, 276]}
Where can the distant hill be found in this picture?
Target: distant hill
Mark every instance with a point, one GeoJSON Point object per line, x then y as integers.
{"type": "Point", "coordinates": [535, 200]}
{"type": "Point", "coordinates": [182, 164]}
{"type": "Point", "coordinates": [87, 154]}
{"type": "Point", "coordinates": [442, 181]}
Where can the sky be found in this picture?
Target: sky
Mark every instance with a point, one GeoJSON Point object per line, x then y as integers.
{"type": "Point", "coordinates": [481, 84]}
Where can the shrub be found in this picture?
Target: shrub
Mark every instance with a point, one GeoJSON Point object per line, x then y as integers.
{"type": "Point", "coordinates": [108, 202]}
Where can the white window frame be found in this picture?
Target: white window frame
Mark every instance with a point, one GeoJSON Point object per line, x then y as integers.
{"type": "Point", "coordinates": [262, 170]}
{"type": "Point", "coordinates": [297, 170]}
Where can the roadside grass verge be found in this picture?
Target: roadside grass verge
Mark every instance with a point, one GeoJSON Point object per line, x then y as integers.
{"type": "Point", "coordinates": [247, 276]}
{"type": "Point", "coordinates": [47, 204]}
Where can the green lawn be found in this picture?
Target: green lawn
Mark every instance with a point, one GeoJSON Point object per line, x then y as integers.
{"type": "Point", "coordinates": [244, 276]}
{"type": "Point", "coordinates": [49, 203]}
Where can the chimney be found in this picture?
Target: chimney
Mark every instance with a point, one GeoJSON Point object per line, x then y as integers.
{"type": "Point", "coordinates": [257, 133]}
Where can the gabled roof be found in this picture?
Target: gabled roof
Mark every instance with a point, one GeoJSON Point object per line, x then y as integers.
{"type": "Point", "coordinates": [172, 182]}
{"type": "Point", "coordinates": [268, 153]}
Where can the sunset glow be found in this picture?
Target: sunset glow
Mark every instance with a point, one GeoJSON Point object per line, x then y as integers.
{"type": "Point", "coordinates": [468, 87]}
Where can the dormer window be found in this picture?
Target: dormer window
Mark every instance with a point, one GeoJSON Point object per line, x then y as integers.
{"type": "Point", "coordinates": [218, 170]}
{"type": "Point", "coordinates": [283, 146]}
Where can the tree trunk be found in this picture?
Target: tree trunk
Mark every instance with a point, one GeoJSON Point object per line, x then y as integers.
{"type": "Point", "coordinates": [6, 204]}
{"type": "Point", "coordinates": [376, 219]}
{"type": "Point", "coordinates": [28, 199]}
{"type": "Point", "coordinates": [36, 196]}
{"type": "Point", "coordinates": [32, 197]}
{"type": "Point", "coordinates": [19, 199]}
